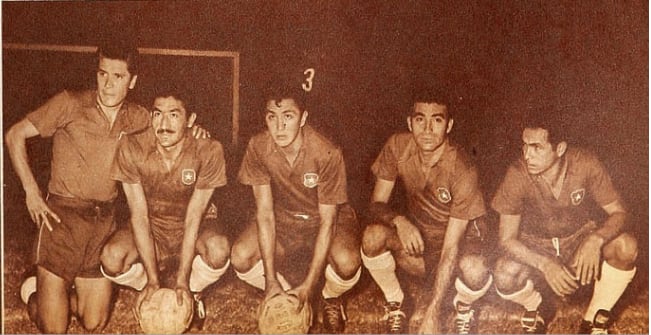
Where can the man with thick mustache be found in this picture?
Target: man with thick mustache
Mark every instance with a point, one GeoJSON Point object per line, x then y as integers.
{"type": "Point", "coordinates": [168, 178]}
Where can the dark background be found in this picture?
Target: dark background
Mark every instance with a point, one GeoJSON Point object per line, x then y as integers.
{"type": "Point", "coordinates": [585, 63]}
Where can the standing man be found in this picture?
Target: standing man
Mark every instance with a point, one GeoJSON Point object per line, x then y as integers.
{"type": "Point", "coordinates": [445, 206]}
{"type": "Point", "coordinates": [168, 178]}
{"type": "Point", "coordinates": [299, 184]}
{"type": "Point", "coordinates": [76, 216]}
{"type": "Point", "coordinates": [547, 203]}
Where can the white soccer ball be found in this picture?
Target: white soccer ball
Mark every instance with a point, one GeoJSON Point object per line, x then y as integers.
{"type": "Point", "coordinates": [161, 314]}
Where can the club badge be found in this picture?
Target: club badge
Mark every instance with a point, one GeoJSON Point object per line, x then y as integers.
{"type": "Point", "coordinates": [310, 180]}
{"type": "Point", "coordinates": [188, 176]}
{"type": "Point", "coordinates": [577, 196]}
{"type": "Point", "coordinates": [443, 195]}
{"type": "Point", "coordinates": [211, 212]}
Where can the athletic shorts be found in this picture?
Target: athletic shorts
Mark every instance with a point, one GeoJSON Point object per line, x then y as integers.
{"type": "Point", "coordinates": [475, 242]}
{"type": "Point", "coordinates": [72, 249]}
{"type": "Point", "coordinates": [561, 247]}
{"type": "Point", "coordinates": [297, 233]}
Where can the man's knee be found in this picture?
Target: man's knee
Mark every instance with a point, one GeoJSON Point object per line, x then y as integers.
{"type": "Point", "coordinates": [215, 250]}
{"type": "Point", "coordinates": [95, 324]}
{"type": "Point", "coordinates": [474, 271]}
{"type": "Point", "coordinates": [243, 256]}
{"type": "Point", "coordinates": [509, 275]}
{"type": "Point", "coordinates": [374, 240]}
{"type": "Point", "coordinates": [622, 251]}
{"type": "Point", "coordinates": [112, 258]}
{"type": "Point", "coordinates": [346, 261]}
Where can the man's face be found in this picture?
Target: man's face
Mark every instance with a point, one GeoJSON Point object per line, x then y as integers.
{"type": "Point", "coordinates": [538, 153]}
{"type": "Point", "coordinates": [113, 81]}
{"type": "Point", "coordinates": [284, 121]}
{"type": "Point", "coordinates": [169, 120]}
{"type": "Point", "coordinates": [429, 123]}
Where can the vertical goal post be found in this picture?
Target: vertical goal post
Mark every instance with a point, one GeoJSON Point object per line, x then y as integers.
{"type": "Point", "coordinates": [233, 55]}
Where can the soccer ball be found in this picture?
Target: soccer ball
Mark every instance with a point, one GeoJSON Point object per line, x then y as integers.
{"type": "Point", "coordinates": [161, 314]}
{"type": "Point", "coordinates": [278, 315]}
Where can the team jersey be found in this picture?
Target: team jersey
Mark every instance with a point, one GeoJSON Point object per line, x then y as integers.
{"type": "Point", "coordinates": [84, 143]}
{"type": "Point", "coordinates": [317, 177]}
{"type": "Point", "coordinates": [449, 189]}
{"type": "Point", "coordinates": [586, 184]}
{"type": "Point", "coordinates": [200, 165]}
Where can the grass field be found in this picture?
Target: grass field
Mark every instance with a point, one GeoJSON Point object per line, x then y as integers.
{"type": "Point", "coordinates": [232, 306]}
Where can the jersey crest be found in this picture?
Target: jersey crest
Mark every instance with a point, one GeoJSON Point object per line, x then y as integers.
{"type": "Point", "coordinates": [443, 194]}
{"type": "Point", "coordinates": [577, 196]}
{"type": "Point", "coordinates": [211, 212]}
{"type": "Point", "coordinates": [310, 179]}
{"type": "Point", "coordinates": [188, 176]}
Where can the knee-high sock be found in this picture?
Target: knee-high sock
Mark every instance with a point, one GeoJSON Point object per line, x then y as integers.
{"type": "Point", "coordinates": [135, 277]}
{"type": "Point", "coordinates": [383, 270]}
{"type": "Point", "coordinates": [255, 277]}
{"type": "Point", "coordinates": [335, 285]}
{"type": "Point", "coordinates": [466, 295]}
{"type": "Point", "coordinates": [528, 297]}
{"type": "Point", "coordinates": [203, 275]}
{"type": "Point", "coordinates": [608, 289]}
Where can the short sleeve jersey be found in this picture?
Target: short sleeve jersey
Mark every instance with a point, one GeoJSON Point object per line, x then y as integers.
{"type": "Point", "coordinates": [585, 185]}
{"type": "Point", "coordinates": [317, 177]}
{"type": "Point", "coordinates": [449, 189]}
{"type": "Point", "coordinates": [84, 143]}
{"type": "Point", "coordinates": [199, 166]}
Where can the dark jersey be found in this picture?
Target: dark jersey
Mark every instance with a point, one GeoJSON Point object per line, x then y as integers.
{"type": "Point", "coordinates": [199, 166]}
{"type": "Point", "coordinates": [449, 189]}
{"type": "Point", "coordinates": [84, 143]}
{"type": "Point", "coordinates": [317, 177]}
{"type": "Point", "coordinates": [585, 184]}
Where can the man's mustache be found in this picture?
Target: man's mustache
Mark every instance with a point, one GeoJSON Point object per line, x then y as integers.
{"type": "Point", "coordinates": [163, 131]}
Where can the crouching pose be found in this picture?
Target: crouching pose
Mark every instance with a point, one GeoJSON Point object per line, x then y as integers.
{"type": "Point", "coordinates": [546, 204]}
{"type": "Point", "coordinates": [299, 184]}
{"type": "Point", "coordinates": [168, 178]}
{"type": "Point", "coordinates": [442, 226]}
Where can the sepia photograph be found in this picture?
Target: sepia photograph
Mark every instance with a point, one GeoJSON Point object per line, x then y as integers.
{"type": "Point", "coordinates": [325, 167]}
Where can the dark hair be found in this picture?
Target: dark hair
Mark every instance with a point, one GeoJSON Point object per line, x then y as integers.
{"type": "Point", "coordinates": [172, 89]}
{"type": "Point", "coordinates": [427, 92]}
{"type": "Point", "coordinates": [119, 50]}
{"type": "Point", "coordinates": [279, 90]}
{"type": "Point", "coordinates": [549, 119]}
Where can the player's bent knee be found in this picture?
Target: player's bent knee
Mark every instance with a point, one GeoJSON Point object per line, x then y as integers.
{"type": "Point", "coordinates": [374, 240]}
{"type": "Point", "coordinates": [95, 324]}
{"type": "Point", "coordinates": [474, 271]}
{"type": "Point", "coordinates": [509, 276]}
{"type": "Point", "coordinates": [346, 263]}
{"type": "Point", "coordinates": [622, 251]}
{"type": "Point", "coordinates": [112, 258]}
{"type": "Point", "coordinates": [243, 257]}
{"type": "Point", "coordinates": [217, 251]}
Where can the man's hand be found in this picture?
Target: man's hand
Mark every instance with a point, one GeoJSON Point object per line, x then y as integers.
{"type": "Point", "coordinates": [302, 292]}
{"type": "Point", "coordinates": [272, 289]}
{"type": "Point", "coordinates": [559, 278]}
{"type": "Point", "coordinates": [182, 294]}
{"type": "Point", "coordinates": [39, 210]}
{"type": "Point", "coordinates": [198, 132]}
{"type": "Point", "coordinates": [410, 236]}
{"type": "Point", "coordinates": [586, 259]}
{"type": "Point", "coordinates": [145, 295]}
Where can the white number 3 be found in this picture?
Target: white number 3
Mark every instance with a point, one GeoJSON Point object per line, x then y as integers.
{"type": "Point", "coordinates": [307, 85]}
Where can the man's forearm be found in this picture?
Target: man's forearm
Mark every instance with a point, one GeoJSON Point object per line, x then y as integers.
{"type": "Point", "coordinates": [145, 245]}
{"type": "Point", "coordinates": [17, 148]}
{"type": "Point", "coordinates": [267, 245]}
{"type": "Point", "coordinates": [524, 255]}
{"type": "Point", "coordinates": [190, 235]}
{"type": "Point", "coordinates": [444, 273]}
{"type": "Point", "coordinates": [322, 246]}
{"type": "Point", "coordinates": [612, 227]}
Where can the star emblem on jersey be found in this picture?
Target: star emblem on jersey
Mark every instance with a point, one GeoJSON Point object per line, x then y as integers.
{"type": "Point", "coordinates": [310, 179]}
{"type": "Point", "coordinates": [188, 176]}
{"type": "Point", "coordinates": [577, 196]}
{"type": "Point", "coordinates": [443, 195]}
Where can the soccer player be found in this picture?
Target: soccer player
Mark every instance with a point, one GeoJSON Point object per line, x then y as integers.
{"type": "Point", "coordinates": [299, 184]}
{"type": "Point", "coordinates": [168, 178]}
{"type": "Point", "coordinates": [547, 203]}
{"type": "Point", "coordinates": [76, 216]}
{"type": "Point", "coordinates": [440, 231]}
